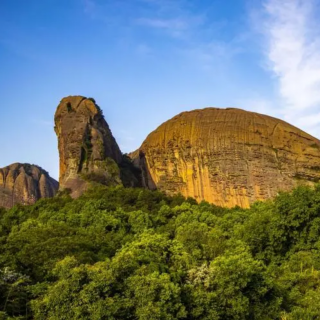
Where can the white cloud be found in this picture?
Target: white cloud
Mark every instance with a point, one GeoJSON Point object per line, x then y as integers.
{"type": "Point", "coordinates": [293, 53]}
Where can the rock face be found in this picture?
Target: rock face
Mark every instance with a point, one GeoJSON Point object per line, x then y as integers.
{"type": "Point", "coordinates": [87, 148]}
{"type": "Point", "coordinates": [25, 184]}
{"type": "Point", "coordinates": [227, 156]}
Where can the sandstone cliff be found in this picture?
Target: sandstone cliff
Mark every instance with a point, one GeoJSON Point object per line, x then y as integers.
{"type": "Point", "coordinates": [87, 148]}
{"type": "Point", "coordinates": [227, 156]}
{"type": "Point", "coordinates": [25, 184]}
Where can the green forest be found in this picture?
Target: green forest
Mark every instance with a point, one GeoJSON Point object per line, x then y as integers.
{"type": "Point", "coordinates": [125, 253]}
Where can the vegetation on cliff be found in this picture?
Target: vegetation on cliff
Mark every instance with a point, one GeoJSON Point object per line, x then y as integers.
{"type": "Point", "coordinates": [123, 253]}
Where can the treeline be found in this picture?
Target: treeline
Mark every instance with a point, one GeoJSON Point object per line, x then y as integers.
{"type": "Point", "coordinates": [121, 253]}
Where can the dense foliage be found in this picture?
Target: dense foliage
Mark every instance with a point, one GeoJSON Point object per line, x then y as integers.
{"type": "Point", "coordinates": [121, 253]}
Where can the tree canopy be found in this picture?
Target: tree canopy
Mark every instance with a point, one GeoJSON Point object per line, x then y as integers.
{"type": "Point", "coordinates": [129, 253]}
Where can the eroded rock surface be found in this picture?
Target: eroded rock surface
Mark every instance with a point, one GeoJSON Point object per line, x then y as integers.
{"type": "Point", "coordinates": [87, 148]}
{"type": "Point", "coordinates": [25, 184]}
{"type": "Point", "coordinates": [227, 156]}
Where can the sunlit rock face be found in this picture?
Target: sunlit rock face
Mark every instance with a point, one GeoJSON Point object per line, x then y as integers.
{"type": "Point", "coordinates": [25, 184]}
{"type": "Point", "coordinates": [227, 157]}
{"type": "Point", "coordinates": [87, 148]}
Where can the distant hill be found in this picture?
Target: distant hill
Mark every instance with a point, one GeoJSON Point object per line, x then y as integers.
{"type": "Point", "coordinates": [25, 184]}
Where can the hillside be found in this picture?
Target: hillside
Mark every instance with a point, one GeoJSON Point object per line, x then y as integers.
{"type": "Point", "coordinates": [123, 253]}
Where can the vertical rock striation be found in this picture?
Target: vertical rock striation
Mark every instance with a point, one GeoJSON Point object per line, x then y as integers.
{"type": "Point", "coordinates": [25, 184]}
{"type": "Point", "coordinates": [87, 148]}
{"type": "Point", "coordinates": [228, 157]}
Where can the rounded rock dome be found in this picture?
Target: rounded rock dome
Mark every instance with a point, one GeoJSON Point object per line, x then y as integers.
{"type": "Point", "coordinates": [228, 156]}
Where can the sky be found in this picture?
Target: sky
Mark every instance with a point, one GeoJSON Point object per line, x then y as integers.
{"type": "Point", "coordinates": [144, 61]}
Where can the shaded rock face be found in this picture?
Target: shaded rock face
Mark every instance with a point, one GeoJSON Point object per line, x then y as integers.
{"type": "Point", "coordinates": [87, 148]}
{"type": "Point", "coordinates": [227, 157]}
{"type": "Point", "coordinates": [25, 184]}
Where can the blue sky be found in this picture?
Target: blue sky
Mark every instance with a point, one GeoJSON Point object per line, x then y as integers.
{"type": "Point", "coordinates": [144, 61]}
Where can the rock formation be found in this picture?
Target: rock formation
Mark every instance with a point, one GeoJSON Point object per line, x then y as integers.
{"type": "Point", "coordinates": [25, 184]}
{"type": "Point", "coordinates": [228, 157]}
{"type": "Point", "coordinates": [87, 148]}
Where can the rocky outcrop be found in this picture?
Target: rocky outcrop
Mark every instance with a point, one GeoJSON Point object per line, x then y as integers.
{"type": "Point", "coordinates": [25, 184]}
{"type": "Point", "coordinates": [87, 148]}
{"type": "Point", "coordinates": [228, 157]}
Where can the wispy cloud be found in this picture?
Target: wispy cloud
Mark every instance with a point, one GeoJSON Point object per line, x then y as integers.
{"type": "Point", "coordinates": [293, 53]}
{"type": "Point", "coordinates": [198, 35]}
{"type": "Point", "coordinates": [176, 20]}
{"type": "Point", "coordinates": [177, 24]}
{"type": "Point", "coordinates": [191, 32]}
{"type": "Point", "coordinates": [175, 27]}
